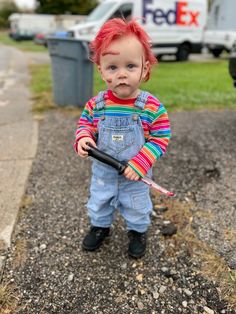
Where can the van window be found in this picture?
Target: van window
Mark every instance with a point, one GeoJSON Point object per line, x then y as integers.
{"type": "Point", "coordinates": [124, 11]}
{"type": "Point", "coordinates": [99, 12]}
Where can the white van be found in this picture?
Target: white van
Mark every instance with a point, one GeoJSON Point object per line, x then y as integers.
{"type": "Point", "coordinates": [26, 25]}
{"type": "Point", "coordinates": [175, 27]}
{"type": "Point", "coordinates": [220, 33]}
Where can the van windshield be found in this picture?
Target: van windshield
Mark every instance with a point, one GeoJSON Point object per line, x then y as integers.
{"type": "Point", "coordinates": [100, 11]}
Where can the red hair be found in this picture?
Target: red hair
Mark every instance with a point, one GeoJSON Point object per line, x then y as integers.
{"type": "Point", "coordinates": [116, 28]}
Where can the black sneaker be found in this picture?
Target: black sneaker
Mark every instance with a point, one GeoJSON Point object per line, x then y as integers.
{"type": "Point", "coordinates": [137, 243]}
{"type": "Point", "coordinates": [94, 238]}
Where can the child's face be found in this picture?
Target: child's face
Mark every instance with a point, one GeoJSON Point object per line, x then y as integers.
{"type": "Point", "coordinates": [123, 67]}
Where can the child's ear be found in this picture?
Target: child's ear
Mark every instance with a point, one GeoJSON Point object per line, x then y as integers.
{"type": "Point", "coordinates": [100, 71]}
{"type": "Point", "coordinates": [146, 68]}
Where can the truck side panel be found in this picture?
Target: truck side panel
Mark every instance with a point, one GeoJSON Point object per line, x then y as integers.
{"type": "Point", "coordinates": [173, 23]}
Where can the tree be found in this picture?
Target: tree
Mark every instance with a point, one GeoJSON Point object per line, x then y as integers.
{"type": "Point", "coordinates": [7, 8]}
{"type": "Point", "coordinates": [66, 6]}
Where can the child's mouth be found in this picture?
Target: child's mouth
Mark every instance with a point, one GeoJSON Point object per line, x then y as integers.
{"type": "Point", "coordinates": [122, 84]}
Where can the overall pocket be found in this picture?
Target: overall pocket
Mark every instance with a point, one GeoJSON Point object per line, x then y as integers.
{"type": "Point", "coordinates": [115, 141]}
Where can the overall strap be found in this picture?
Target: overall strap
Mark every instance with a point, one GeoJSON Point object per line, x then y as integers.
{"type": "Point", "coordinates": [141, 100]}
{"type": "Point", "coordinates": [100, 100]}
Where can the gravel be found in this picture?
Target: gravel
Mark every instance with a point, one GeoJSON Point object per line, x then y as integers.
{"type": "Point", "coordinates": [202, 165]}
{"type": "Point", "coordinates": [54, 275]}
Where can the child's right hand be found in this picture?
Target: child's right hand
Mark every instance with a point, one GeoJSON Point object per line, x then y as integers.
{"type": "Point", "coordinates": [82, 146]}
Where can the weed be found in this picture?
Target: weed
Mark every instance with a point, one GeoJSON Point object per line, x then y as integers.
{"type": "Point", "coordinates": [212, 266]}
{"type": "Point", "coordinates": [26, 201]}
{"type": "Point", "coordinates": [229, 234]}
{"type": "Point", "coordinates": [8, 299]}
{"type": "Point", "coordinates": [19, 253]}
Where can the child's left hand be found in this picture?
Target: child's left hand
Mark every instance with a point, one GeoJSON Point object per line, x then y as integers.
{"type": "Point", "coordinates": [130, 174]}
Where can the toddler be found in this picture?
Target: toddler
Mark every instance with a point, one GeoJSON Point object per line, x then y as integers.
{"type": "Point", "coordinates": [127, 123]}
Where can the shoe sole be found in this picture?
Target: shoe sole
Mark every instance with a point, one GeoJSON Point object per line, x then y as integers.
{"type": "Point", "coordinates": [136, 255]}
{"type": "Point", "coordinates": [86, 248]}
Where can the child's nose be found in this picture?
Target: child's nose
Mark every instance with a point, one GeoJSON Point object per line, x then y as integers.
{"type": "Point", "coordinates": [122, 73]}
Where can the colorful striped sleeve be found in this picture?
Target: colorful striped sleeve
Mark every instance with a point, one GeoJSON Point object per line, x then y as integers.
{"type": "Point", "coordinates": [155, 120]}
{"type": "Point", "coordinates": [86, 126]}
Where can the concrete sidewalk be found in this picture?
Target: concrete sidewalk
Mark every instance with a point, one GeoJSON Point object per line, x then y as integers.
{"type": "Point", "coordinates": [18, 139]}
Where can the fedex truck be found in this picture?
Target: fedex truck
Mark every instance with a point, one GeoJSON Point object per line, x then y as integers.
{"type": "Point", "coordinates": [175, 27]}
{"type": "Point", "coordinates": [220, 33]}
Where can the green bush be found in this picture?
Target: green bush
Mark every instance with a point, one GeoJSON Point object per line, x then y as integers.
{"type": "Point", "coordinates": [6, 9]}
{"type": "Point", "coordinates": [3, 23]}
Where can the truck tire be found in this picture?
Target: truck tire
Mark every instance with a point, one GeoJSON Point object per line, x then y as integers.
{"type": "Point", "coordinates": [216, 52]}
{"type": "Point", "coordinates": [183, 52]}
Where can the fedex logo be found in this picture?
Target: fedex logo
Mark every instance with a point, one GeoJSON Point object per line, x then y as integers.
{"type": "Point", "coordinates": [179, 15]}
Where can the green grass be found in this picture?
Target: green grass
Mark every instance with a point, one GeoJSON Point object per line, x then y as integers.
{"type": "Point", "coordinates": [193, 85]}
{"type": "Point", "coordinates": [190, 85]}
{"type": "Point", "coordinates": [41, 87]}
{"type": "Point", "coordinates": [25, 45]}
{"type": "Point", "coordinates": [180, 86]}
{"type": "Point", "coordinates": [41, 80]}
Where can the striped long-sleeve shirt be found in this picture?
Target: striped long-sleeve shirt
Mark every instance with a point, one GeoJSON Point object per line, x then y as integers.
{"type": "Point", "coordinates": [155, 123]}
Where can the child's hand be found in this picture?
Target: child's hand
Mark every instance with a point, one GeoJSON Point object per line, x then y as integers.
{"type": "Point", "coordinates": [82, 146]}
{"type": "Point", "coordinates": [130, 174]}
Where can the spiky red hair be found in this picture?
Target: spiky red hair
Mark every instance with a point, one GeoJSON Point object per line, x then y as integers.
{"type": "Point", "coordinates": [116, 28]}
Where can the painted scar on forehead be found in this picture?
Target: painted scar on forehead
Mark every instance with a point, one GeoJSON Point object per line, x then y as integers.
{"type": "Point", "coordinates": [110, 53]}
{"type": "Point", "coordinates": [109, 80]}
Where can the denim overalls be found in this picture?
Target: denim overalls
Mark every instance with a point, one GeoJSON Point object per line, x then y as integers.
{"type": "Point", "coordinates": [122, 138]}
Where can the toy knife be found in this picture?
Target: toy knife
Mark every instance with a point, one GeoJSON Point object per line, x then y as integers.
{"type": "Point", "coordinates": [120, 167]}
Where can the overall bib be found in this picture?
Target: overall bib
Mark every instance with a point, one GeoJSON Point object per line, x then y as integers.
{"type": "Point", "coordinates": [122, 138]}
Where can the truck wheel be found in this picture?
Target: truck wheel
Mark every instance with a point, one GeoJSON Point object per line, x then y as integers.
{"type": "Point", "coordinates": [216, 52]}
{"type": "Point", "coordinates": [183, 52]}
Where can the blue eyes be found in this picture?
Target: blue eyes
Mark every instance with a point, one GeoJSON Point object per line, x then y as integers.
{"type": "Point", "coordinates": [129, 66]}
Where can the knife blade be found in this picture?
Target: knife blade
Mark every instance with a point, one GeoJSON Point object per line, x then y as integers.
{"type": "Point", "coordinates": [120, 167]}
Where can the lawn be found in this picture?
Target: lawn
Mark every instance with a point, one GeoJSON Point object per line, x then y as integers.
{"type": "Point", "coordinates": [190, 85]}
{"type": "Point", "coordinates": [193, 85]}
{"type": "Point", "coordinates": [41, 87]}
{"type": "Point", "coordinates": [180, 86]}
{"type": "Point", "coordinates": [25, 45]}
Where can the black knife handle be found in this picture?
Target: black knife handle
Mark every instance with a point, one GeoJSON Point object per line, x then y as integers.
{"type": "Point", "coordinates": [106, 159]}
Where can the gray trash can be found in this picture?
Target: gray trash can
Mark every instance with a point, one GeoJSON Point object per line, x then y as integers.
{"type": "Point", "coordinates": [72, 71]}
